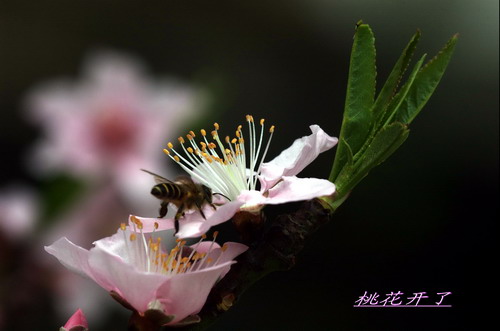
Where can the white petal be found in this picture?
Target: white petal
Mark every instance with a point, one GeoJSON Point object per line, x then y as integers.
{"type": "Point", "coordinates": [295, 158]}
{"type": "Point", "coordinates": [298, 189]}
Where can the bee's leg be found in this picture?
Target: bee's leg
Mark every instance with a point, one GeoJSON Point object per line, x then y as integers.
{"type": "Point", "coordinates": [201, 211]}
{"type": "Point", "coordinates": [179, 214]}
{"type": "Point", "coordinates": [163, 209]}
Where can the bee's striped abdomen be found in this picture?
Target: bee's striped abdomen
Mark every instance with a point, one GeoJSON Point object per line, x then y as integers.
{"type": "Point", "coordinates": [167, 191]}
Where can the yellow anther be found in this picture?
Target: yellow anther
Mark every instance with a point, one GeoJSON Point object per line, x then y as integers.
{"type": "Point", "coordinates": [234, 141]}
{"type": "Point", "coordinates": [209, 260]}
{"type": "Point", "coordinates": [192, 133]}
{"type": "Point", "coordinates": [216, 126]}
{"type": "Point", "coordinates": [181, 140]}
{"type": "Point", "coordinates": [156, 228]}
{"type": "Point", "coordinates": [190, 150]}
{"type": "Point", "coordinates": [214, 133]}
{"type": "Point", "coordinates": [123, 226]}
{"type": "Point", "coordinates": [227, 139]}
{"type": "Point", "coordinates": [239, 127]}
{"type": "Point", "coordinates": [248, 118]}
{"type": "Point", "coordinates": [133, 236]}
{"type": "Point", "coordinates": [135, 220]}
{"type": "Point", "coordinates": [204, 236]}
{"type": "Point", "coordinates": [216, 233]}
{"type": "Point", "coordinates": [238, 134]}
{"type": "Point", "coordinates": [176, 158]}
{"type": "Point", "coordinates": [262, 121]}
{"type": "Point", "coordinates": [224, 247]}
{"type": "Point", "coordinates": [203, 132]}
{"type": "Point", "coordinates": [227, 151]}
{"type": "Point", "coordinates": [189, 137]}
{"type": "Point", "coordinates": [166, 151]}
{"type": "Point", "coordinates": [271, 130]}
{"type": "Point", "coordinates": [242, 141]}
{"type": "Point", "coordinates": [170, 145]}
{"type": "Point", "coordinates": [212, 145]}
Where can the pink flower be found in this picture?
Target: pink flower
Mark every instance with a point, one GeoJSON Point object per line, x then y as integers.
{"type": "Point", "coordinates": [77, 322]}
{"type": "Point", "coordinates": [233, 172]}
{"type": "Point", "coordinates": [135, 267]}
{"type": "Point", "coordinates": [109, 123]}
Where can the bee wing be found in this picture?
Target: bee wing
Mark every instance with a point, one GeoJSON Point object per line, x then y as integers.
{"type": "Point", "coordinates": [158, 179]}
{"type": "Point", "coordinates": [185, 180]}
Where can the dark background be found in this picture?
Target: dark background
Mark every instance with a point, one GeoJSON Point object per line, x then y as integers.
{"type": "Point", "coordinates": [423, 221]}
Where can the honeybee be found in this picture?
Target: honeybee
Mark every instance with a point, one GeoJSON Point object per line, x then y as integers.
{"type": "Point", "coordinates": [184, 193]}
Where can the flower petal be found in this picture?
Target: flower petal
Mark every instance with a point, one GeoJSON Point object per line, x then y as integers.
{"type": "Point", "coordinates": [149, 223]}
{"type": "Point", "coordinates": [185, 294]}
{"type": "Point", "coordinates": [295, 158]}
{"type": "Point", "coordinates": [194, 225]}
{"type": "Point", "coordinates": [71, 256]}
{"type": "Point", "coordinates": [137, 287]}
{"type": "Point", "coordinates": [298, 189]}
{"type": "Point", "coordinates": [252, 198]}
{"type": "Point", "coordinates": [77, 319]}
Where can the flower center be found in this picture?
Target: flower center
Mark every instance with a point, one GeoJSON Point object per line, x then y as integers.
{"type": "Point", "coordinates": [114, 131]}
{"type": "Point", "coordinates": [226, 168]}
{"type": "Point", "coordinates": [147, 253]}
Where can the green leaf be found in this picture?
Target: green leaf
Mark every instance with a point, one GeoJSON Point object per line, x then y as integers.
{"type": "Point", "coordinates": [425, 83]}
{"type": "Point", "coordinates": [360, 96]}
{"type": "Point", "coordinates": [386, 142]}
{"type": "Point", "coordinates": [395, 104]}
{"type": "Point", "coordinates": [392, 82]}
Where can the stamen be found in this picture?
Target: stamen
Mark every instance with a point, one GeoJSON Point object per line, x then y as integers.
{"type": "Point", "coordinates": [223, 165]}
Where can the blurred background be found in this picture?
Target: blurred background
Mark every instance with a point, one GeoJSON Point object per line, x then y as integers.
{"type": "Point", "coordinates": [423, 221]}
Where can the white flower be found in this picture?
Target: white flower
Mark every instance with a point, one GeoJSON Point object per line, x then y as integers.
{"type": "Point", "coordinates": [235, 170]}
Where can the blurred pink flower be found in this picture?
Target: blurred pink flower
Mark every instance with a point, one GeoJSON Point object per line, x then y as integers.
{"type": "Point", "coordinates": [18, 212]}
{"type": "Point", "coordinates": [77, 322]}
{"type": "Point", "coordinates": [109, 123]}
{"type": "Point", "coordinates": [232, 171]}
{"type": "Point", "coordinates": [135, 268]}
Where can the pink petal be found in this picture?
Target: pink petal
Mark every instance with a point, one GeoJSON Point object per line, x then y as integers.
{"type": "Point", "coordinates": [192, 224]}
{"type": "Point", "coordinates": [298, 189]}
{"type": "Point", "coordinates": [71, 256]}
{"type": "Point", "coordinates": [77, 319]}
{"type": "Point", "coordinates": [149, 224]}
{"type": "Point", "coordinates": [185, 294]}
{"type": "Point", "coordinates": [295, 158]}
{"type": "Point", "coordinates": [137, 287]}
